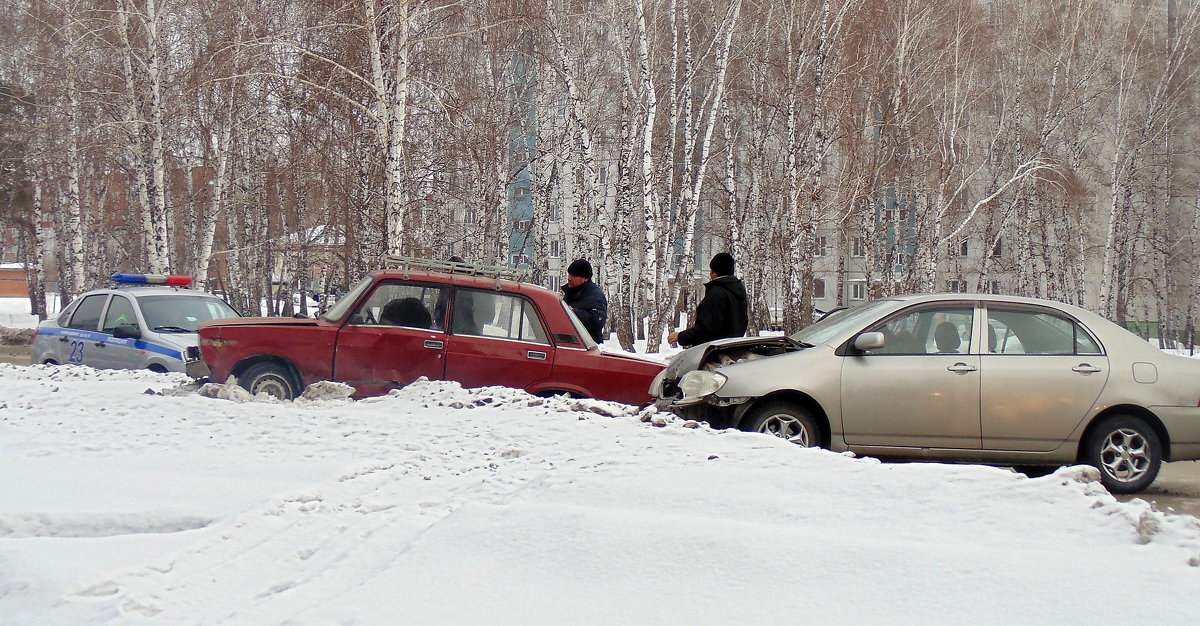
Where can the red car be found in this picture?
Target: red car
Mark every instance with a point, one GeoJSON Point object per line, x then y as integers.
{"type": "Point", "coordinates": [438, 320]}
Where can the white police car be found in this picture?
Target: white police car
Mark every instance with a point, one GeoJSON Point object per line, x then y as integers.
{"type": "Point", "coordinates": [144, 321]}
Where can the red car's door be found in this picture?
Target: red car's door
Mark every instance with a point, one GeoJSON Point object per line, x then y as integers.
{"type": "Point", "coordinates": [393, 338]}
{"type": "Point", "coordinates": [496, 339]}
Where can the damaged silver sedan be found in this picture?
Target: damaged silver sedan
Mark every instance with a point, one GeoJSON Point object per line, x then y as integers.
{"type": "Point", "coordinates": [1003, 380]}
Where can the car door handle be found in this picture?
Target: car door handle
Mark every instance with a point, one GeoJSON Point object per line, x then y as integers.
{"type": "Point", "coordinates": [1085, 368]}
{"type": "Point", "coordinates": [434, 344]}
{"type": "Point", "coordinates": [99, 344]}
{"type": "Point", "coordinates": [961, 368]}
{"type": "Point", "coordinates": [63, 339]}
{"type": "Point", "coordinates": [536, 355]}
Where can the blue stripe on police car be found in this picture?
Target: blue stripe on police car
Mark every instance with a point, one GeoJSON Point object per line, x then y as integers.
{"type": "Point", "coordinates": [92, 335]}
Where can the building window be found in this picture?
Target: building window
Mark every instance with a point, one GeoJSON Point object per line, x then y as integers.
{"type": "Point", "coordinates": [555, 282]}
{"type": "Point", "coordinates": [522, 225]}
{"type": "Point", "coordinates": [520, 260]}
{"type": "Point", "coordinates": [956, 286]}
{"type": "Point", "coordinates": [858, 248]}
{"type": "Point", "coordinates": [958, 248]}
{"type": "Point", "coordinates": [554, 249]}
{"type": "Point", "coordinates": [820, 247]}
{"type": "Point", "coordinates": [995, 287]}
{"type": "Point", "coordinates": [998, 249]}
{"type": "Point", "coordinates": [555, 213]}
{"type": "Point", "coordinates": [469, 216]}
{"type": "Point", "coordinates": [858, 290]}
{"type": "Point", "coordinates": [818, 288]}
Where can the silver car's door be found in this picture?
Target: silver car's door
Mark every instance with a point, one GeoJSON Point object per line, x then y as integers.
{"type": "Point", "coordinates": [120, 353]}
{"type": "Point", "coordinates": [1042, 372]}
{"type": "Point", "coordinates": [922, 388]}
{"type": "Point", "coordinates": [83, 342]}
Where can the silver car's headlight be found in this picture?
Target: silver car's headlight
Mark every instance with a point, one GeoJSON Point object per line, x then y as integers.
{"type": "Point", "coordinates": [700, 383]}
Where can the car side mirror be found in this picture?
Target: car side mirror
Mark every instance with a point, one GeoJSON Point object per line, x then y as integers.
{"type": "Point", "coordinates": [869, 341]}
{"type": "Point", "coordinates": [127, 331]}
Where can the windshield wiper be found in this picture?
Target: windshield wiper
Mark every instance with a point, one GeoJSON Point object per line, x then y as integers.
{"type": "Point", "coordinates": [172, 329]}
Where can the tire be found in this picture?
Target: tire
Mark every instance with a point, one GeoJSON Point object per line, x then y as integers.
{"type": "Point", "coordinates": [1036, 471]}
{"type": "Point", "coordinates": [1126, 450]}
{"type": "Point", "coordinates": [274, 379]}
{"type": "Point", "coordinates": [786, 421]}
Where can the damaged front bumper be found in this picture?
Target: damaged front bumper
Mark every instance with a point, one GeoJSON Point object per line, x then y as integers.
{"type": "Point", "coordinates": [717, 412]}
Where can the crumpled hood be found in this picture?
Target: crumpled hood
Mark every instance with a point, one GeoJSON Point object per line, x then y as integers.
{"type": "Point", "coordinates": [693, 357]}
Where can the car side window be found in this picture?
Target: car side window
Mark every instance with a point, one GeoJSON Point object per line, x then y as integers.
{"type": "Point", "coordinates": [66, 314]}
{"type": "Point", "coordinates": [488, 314]}
{"type": "Point", "coordinates": [1085, 343]}
{"type": "Point", "coordinates": [1030, 331]}
{"type": "Point", "coordinates": [941, 330]}
{"type": "Point", "coordinates": [87, 314]}
{"type": "Point", "coordinates": [120, 312]}
{"type": "Point", "coordinates": [409, 305]}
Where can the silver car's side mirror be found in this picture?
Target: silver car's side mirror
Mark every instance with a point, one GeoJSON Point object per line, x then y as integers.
{"type": "Point", "coordinates": [868, 341]}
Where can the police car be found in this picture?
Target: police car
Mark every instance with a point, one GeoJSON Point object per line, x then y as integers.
{"type": "Point", "coordinates": [143, 321]}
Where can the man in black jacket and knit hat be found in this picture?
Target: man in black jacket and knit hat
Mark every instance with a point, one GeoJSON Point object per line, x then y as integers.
{"type": "Point", "coordinates": [723, 311]}
{"type": "Point", "coordinates": [585, 298]}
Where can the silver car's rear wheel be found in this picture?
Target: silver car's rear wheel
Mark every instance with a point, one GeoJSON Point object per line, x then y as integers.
{"type": "Point", "coordinates": [785, 421]}
{"type": "Point", "coordinates": [1127, 451]}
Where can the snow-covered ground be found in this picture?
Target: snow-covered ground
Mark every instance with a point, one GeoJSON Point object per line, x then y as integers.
{"type": "Point", "coordinates": [130, 497]}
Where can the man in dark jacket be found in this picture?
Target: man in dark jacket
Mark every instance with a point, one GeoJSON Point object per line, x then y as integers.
{"type": "Point", "coordinates": [723, 311]}
{"type": "Point", "coordinates": [585, 298]}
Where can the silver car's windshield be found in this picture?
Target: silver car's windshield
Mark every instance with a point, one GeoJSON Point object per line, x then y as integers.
{"type": "Point", "coordinates": [182, 314]}
{"type": "Point", "coordinates": [838, 322]}
{"type": "Point", "coordinates": [339, 309]}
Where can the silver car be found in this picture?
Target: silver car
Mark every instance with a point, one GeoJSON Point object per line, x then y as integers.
{"type": "Point", "coordinates": [1003, 380]}
{"type": "Point", "coordinates": [131, 327]}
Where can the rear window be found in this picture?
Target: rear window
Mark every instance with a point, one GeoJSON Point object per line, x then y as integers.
{"type": "Point", "coordinates": [87, 314]}
{"type": "Point", "coordinates": [487, 314]}
{"type": "Point", "coordinates": [1037, 331]}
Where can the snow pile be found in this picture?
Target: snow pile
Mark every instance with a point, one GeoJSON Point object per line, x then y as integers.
{"type": "Point", "coordinates": [131, 497]}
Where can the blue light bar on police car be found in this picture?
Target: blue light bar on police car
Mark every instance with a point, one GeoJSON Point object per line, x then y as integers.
{"type": "Point", "coordinates": [175, 280]}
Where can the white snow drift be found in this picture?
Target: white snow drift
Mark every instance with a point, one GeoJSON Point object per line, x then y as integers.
{"type": "Point", "coordinates": [130, 497]}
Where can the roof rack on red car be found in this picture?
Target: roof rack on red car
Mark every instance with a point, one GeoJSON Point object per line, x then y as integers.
{"type": "Point", "coordinates": [496, 272]}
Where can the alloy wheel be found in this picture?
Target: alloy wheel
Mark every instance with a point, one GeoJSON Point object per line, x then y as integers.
{"type": "Point", "coordinates": [787, 427]}
{"type": "Point", "coordinates": [1125, 455]}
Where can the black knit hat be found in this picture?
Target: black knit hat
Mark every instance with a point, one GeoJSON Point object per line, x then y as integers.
{"type": "Point", "coordinates": [721, 264]}
{"type": "Point", "coordinates": [580, 268]}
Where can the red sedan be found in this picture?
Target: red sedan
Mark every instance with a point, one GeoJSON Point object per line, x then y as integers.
{"type": "Point", "coordinates": [444, 321]}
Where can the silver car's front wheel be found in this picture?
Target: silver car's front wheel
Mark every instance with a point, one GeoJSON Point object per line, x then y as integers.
{"type": "Point", "coordinates": [785, 421]}
{"type": "Point", "coordinates": [1127, 451]}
